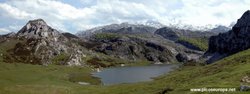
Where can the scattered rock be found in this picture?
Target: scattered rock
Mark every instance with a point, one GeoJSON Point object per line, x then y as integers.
{"type": "Point", "coordinates": [245, 79]}
{"type": "Point", "coordinates": [181, 57]}
{"type": "Point", "coordinates": [244, 88]}
{"type": "Point", "coordinates": [83, 83]}
{"type": "Point", "coordinates": [166, 91]}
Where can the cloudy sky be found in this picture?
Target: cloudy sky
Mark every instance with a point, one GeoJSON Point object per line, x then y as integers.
{"type": "Point", "coordinates": [74, 15]}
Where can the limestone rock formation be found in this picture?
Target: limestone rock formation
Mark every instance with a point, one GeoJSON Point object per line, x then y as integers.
{"type": "Point", "coordinates": [131, 48]}
{"type": "Point", "coordinates": [38, 29]}
{"type": "Point", "coordinates": [237, 39]}
{"type": "Point", "coordinates": [168, 33]}
{"type": "Point", "coordinates": [38, 43]}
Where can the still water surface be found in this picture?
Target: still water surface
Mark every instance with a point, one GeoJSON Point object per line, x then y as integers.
{"type": "Point", "coordinates": [118, 75]}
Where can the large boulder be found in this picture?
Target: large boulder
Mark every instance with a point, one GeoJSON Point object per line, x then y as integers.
{"type": "Point", "coordinates": [182, 57]}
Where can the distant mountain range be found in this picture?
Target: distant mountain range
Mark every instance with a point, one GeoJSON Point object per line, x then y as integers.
{"type": "Point", "coordinates": [220, 28]}
{"type": "Point", "coordinates": [119, 28]}
{"type": "Point", "coordinates": [147, 27]}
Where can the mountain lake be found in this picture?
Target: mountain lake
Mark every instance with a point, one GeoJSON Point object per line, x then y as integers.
{"type": "Point", "coordinates": [133, 74]}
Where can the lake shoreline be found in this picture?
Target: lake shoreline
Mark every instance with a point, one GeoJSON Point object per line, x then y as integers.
{"type": "Point", "coordinates": [127, 71]}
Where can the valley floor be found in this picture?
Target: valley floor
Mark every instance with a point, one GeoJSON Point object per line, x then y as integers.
{"type": "Point", "coordinates": [54, 79]}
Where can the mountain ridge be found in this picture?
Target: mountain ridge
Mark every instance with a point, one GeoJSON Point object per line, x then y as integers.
{"type": "Point", "coordinates": [231, 42]}
{"type": "Point", "coordinates": [150, 24]}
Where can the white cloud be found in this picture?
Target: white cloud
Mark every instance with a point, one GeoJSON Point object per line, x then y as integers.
{"type": "Point", "coordinates": [67, 17]}
{"type": "Point", "coordinates": [201, 12]}
{"type": "Point", "coordinates": [13, 11]}
{"type": "Point", "coordinates": [4, 31]}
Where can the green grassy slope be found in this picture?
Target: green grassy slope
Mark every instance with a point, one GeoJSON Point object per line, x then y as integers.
{"type": "Point", "coordinates": [7, 45]}
{"type": "Point", "coordinates": [227, 72]}
{"type": "Point", "coordinates": [37, 79]}
{"type": "Point", "coordinates": [21, 78]}
{"type": "Point", "coordinates": [201, 43]}
{"type": "Point", "coordinates": [102, 60]}
{"type": "Point", "coordinates": [106, 36]}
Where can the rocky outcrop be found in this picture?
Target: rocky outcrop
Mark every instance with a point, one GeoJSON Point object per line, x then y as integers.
{"type": "Point", "coordinates": [75, 59]}
{"type": "Point", "coordinates": [168, 33]}
{"type": "Point", "coordinates": [132, 48]}
{"type": "Point", "coordinates": [237, 39]}
{"type": "Point", "coordinates": [38, 29]}
{"type": "Point", "coordinates": [175, 33]}
{"type": "Point", "coordinates": [245, 79]}
{"type": "Point", "coordinates": [38, 43]}
{"type": "Point", "coordinates": [182, 57]}
{"type": "Point", "coordinates": [189, 56]}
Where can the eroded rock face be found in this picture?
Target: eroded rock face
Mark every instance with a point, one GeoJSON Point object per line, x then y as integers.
{"type": "Point", "coordinates": [131, 48]}
{"type": "Point", "coordinates": [38, 29]}
{"type": "Point", "coordinates": [236, 40]}
{"type": "Point", "coordinates": [41, 44]}
{"type": "Point", "coordinates": [168, 33]}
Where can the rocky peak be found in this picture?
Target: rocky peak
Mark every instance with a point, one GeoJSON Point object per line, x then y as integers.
{"type": "Point", "coordinates": [37, 22]}
{"type": "Point", "coordinates": [39, 43]}
{"type": "Point", "coordinates": [37, 28]}
{"type": "Point", "coordinates": [237, 39]}
{"type": "Point", "coordinates": [244, 21]}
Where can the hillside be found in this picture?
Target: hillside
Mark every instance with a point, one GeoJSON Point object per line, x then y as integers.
{"type": "Point", "coordinates": [227, 72]}
{"type": "Point", "coordinates": [200, 44]}
{"type": "Point", "coordinates": [38, 43]}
